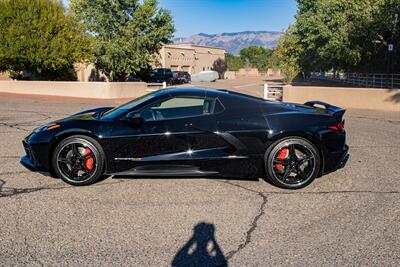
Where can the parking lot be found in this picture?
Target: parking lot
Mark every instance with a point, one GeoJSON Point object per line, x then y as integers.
{"type": "Point", "coordinates": [350, 217]}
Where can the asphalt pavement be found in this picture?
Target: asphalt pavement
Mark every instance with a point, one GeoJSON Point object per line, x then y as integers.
{"type": "Point", "coordinates": [349, 217]}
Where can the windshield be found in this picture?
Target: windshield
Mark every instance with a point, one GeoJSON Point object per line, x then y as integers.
{"type": "Point", "coordinates": [117, 111]}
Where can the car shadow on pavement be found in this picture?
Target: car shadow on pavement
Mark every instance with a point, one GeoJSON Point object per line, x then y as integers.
{"type": "Point", "coordinates": [178, 177]}
{"type": "Point", "coordinates": [201, 250]}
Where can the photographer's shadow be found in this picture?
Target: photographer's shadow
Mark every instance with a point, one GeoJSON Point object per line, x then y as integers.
{"type": "Point", "coordinates": [201, 250]}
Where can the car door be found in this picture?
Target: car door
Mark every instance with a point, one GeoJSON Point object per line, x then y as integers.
{"type": "Point", "coordinates": [177, 133]}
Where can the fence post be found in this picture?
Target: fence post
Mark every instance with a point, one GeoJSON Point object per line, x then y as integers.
{"type": "Point", "coordinates": [164, 85]}
{"type": "Point", "coordinates": [265, 90]}
{"type": "Point", "coordinates": [392, 80]}
{"type": "Point", "coordinates": [373, 80]}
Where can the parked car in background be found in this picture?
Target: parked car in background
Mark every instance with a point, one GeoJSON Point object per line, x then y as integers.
{"type": "Point", "coordinates": [181, 77]}
{"type": "Point", "coordinates": [160, 75]}
{"type": "Point", "coordinates": [205, 76]}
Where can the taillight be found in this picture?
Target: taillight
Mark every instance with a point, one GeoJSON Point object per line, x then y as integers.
{"type": "Point", "coordinates": [339, 127]}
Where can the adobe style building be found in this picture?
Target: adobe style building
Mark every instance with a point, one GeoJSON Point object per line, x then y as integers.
{"type": "Point", "coordinates": [188, 57]}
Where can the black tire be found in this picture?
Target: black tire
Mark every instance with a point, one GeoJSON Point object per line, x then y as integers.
{"type": "Point", "coordinates": [289, 170]}
{"type": "Point", "coordinates": [66, 163]}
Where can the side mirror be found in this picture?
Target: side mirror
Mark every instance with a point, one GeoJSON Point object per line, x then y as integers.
{"type": "Point", "coordinates": [133, 119]}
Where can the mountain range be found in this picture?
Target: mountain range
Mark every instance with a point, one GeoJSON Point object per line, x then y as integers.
{"type": "Point", "coordinates": [233, 42]}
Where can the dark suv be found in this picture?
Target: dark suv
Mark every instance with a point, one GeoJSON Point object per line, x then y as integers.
{"type": "Point", "coordinates": [161, 75]}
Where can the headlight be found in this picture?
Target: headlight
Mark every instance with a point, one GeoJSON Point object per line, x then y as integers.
{"type": "Point", "coordinates": [47, 127]}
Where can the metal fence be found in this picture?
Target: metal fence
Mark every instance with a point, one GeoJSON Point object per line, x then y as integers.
{"type": "Point", "coordinates": [273, 92]}
{"type": "Point", "coordinates": [378, 80]}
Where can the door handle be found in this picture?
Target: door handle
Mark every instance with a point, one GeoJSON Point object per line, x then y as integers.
{"type": "Point", "coordinates": [188, 124]}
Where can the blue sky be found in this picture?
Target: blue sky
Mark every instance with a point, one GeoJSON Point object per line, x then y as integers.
{"type": "Point", "coordinates": [217, 16]}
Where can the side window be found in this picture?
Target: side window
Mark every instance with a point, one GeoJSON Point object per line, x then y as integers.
{"type": "Point", "coordinates": [179, 107]}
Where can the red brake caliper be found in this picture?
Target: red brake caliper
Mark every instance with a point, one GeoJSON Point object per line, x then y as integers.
{"type": "Point", "coordinates": [90, 160]}
{"type": "Point", "coordinates": [281, 155]}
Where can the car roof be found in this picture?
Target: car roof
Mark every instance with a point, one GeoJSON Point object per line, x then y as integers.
{"type": "Point", "coordinates": [194, 90]}
{"type": "Point", "coordinates": [188, 90]}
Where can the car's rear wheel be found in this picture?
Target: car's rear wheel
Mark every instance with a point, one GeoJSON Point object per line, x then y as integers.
{"type": "Point", "coordinates": [292, 163]}
{"type": "Point", "coordinates": [78, 160]}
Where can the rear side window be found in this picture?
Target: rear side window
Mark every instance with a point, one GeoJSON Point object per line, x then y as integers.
{"type": "Point", "coordinates": [180, 102]}
{"type": "Point", "coordinates": [180, 107]}
{"type": "Point", "coordinates": [218, 107]}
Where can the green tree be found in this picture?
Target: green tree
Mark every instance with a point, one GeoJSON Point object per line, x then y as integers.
{"type": "Point", "coordinates": [39, 38]}
{"type": "Point", "coordinates": [348, 35]}
{"type": "Point", "coordinates": [128, 33]}
{"type": "Point", "coordinates": [382, 31]}
{"type": "Point", "coordinates": [219, 65]}
{"type": "Point", "coordinates": [327, 30]}
{"type": "Point", "coordinates": [256, 57]}
{"type": "Point", "coordinates": [287, 54]}
{"type": "Point", "coordinates": [233, 63]}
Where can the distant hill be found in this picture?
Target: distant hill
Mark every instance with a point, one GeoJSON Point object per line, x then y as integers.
{"type": "Point", "coordinates": [233, 42]}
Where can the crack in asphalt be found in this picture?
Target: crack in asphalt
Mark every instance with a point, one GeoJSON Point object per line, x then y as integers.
{"type": "Point", "coordinates": [34, 112]}
{"type": "Point", "coordinates": [31, 123]}
{"type": "Point", "coordinates": [253, 227]}
{"type": "Point", "coordinates": [17, 125]}
{"type": "Point", "coordinates": [13, 126]}
{"type": "Point", "coordinates": [254, 223]}
{"type": "Point", "coordinates": [12, 191]}
{"type": "Point", "coordinates": [9, 157]}
{"type": "Point", "coordinates": [262, 210]}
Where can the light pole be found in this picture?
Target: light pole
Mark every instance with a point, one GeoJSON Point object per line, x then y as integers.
{"type": "Point", "coordinates": [391, 44]}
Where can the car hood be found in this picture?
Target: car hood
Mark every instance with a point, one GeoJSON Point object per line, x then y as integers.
{"type": "Point", "coordinates": [86, 114]}
{"type": "Point", "coordinates": [93, 111]}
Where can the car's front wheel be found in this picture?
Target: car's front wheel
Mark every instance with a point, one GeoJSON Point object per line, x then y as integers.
{"type": "Point", "coordinates": [292, 163]}
{"type": "Point", "coordinates": [78, 160]}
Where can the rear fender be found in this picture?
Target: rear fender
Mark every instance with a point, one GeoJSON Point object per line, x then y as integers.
{"type": "Point", "coordinates": [336, 112]}
{"type": "Point", "coordinates": [309, 136]}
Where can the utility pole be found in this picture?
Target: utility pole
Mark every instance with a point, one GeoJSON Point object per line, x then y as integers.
{"type": "Point", "coordinates": [391, 43]}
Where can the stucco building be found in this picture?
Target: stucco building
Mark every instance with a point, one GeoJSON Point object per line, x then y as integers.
{"type": "Point", "coordinates": [188, 57]}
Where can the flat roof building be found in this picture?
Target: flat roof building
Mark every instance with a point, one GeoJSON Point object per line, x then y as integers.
{"type": "Point", "coordinates": [188, 57]}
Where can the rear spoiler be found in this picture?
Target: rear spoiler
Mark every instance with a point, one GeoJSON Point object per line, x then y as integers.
{"type": "Point", "coordinates": [335, 111]}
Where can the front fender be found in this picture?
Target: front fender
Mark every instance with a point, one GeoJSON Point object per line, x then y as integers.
{"type": "Point", "coordinates": [95, 110]}
{"type": "Point", "coordinates": [100, 134]}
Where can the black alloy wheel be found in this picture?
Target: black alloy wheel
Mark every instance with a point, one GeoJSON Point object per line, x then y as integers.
{"type": "Point", "coordinates": [292, 163]}
{"type": "Point", "coordinates": [78, 160]}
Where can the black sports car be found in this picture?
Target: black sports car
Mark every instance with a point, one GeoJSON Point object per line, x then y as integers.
{"type": "Point", "coordinates": [193, 132]}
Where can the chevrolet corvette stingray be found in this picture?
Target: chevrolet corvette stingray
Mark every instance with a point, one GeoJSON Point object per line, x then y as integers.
{"type": "Point", "coordinates": [193, 132]}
